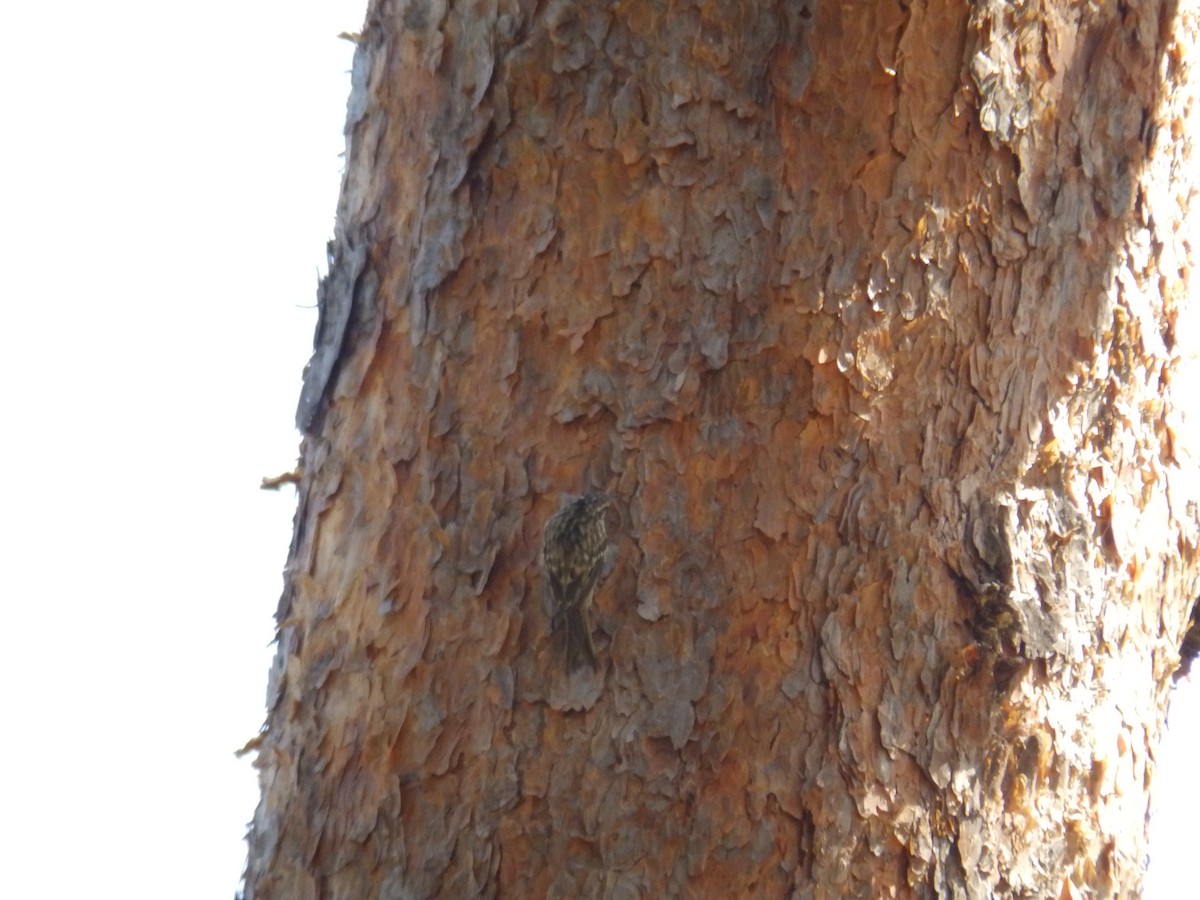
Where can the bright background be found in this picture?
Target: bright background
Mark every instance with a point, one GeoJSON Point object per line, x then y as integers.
{"type": "Point", "coordinates": [169, 179]}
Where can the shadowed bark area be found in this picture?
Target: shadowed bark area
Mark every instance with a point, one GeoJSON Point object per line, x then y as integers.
{"type": "Point", "coordinates": [869, 317]}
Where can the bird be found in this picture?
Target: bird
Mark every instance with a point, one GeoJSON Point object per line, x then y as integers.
{"type": "Point", "coordinates": [574, 543]}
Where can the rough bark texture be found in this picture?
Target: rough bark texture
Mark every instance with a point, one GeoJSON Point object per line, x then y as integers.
{"type": "Point", "coordinates": [869, 316]}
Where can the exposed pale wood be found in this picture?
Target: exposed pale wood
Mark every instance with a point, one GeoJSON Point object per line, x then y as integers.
{"type": "Point", "coordinates": [873, 317]}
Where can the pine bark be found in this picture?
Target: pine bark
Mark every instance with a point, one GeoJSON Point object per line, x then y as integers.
{"type": "Point", "coordinates": [874, 319]}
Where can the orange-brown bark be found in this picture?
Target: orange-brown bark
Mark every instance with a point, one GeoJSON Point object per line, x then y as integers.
{"type": "Point", "coordinates": [868, 315]}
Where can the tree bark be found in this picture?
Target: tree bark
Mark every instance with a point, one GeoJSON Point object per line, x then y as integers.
{"type": "Point", "coordinates": [872, 318]}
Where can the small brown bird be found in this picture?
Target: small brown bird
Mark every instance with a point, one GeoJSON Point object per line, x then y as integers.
{"type": "Point", "coordinates": [573, 548]}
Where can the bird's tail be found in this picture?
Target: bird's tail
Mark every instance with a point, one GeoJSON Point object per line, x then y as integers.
{"type": "Point", "coordinates": [580, 651]}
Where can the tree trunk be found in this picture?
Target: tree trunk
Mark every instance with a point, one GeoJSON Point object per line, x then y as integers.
{"type": "Point", "coordinates": [871, 319]}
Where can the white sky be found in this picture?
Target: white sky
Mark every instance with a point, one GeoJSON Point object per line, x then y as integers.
{"type": "Point", "coordinates": [169, 180]}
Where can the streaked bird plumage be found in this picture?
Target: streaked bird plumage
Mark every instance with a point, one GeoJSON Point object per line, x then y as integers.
{"type": "Point", "coordinates": [573, 549]}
